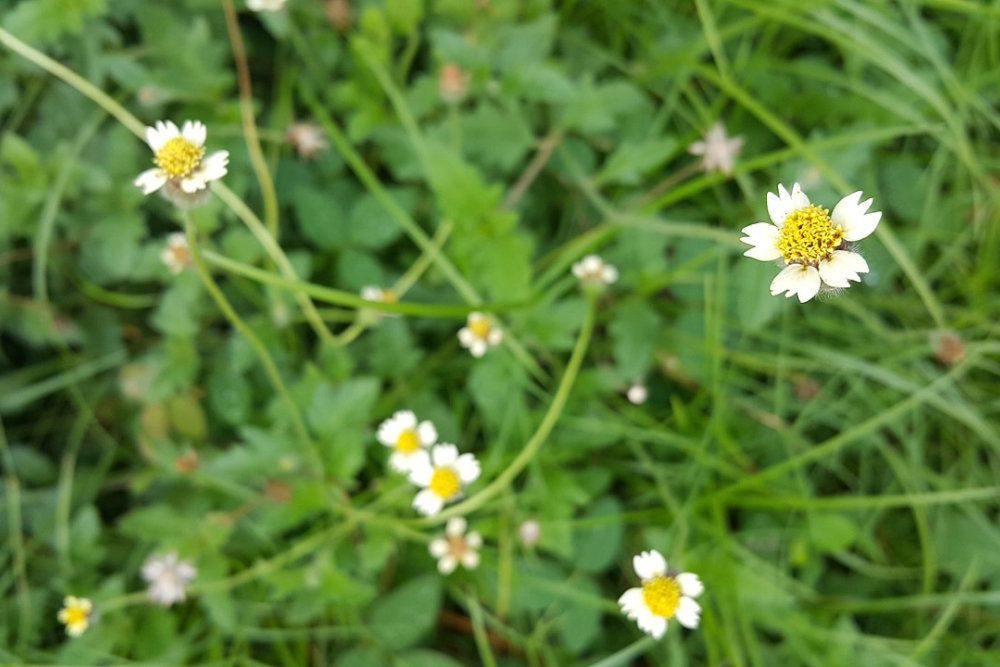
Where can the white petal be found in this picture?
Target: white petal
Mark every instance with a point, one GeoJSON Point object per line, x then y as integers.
{"type": "Point", "coordinates": [456, 527]}
{"type": "Point", "coordinates": [405, 419]}
{"type": "Point", "coordinates": [193, 183]}
{"type": "Point", "coordinates": [438, 547]}
{"type": "Point", "coordinates": [447, 564]}
{"type": "Point", "coordinates": [157, 136]}
{"type": "Point", "coordinates": [151, 180]}
{"type": "Point", "coordinates": [421, 470]}
{"type": "Point", "coordinates": [494, 337]}
{"type": "Point", "coordinates": [764, 253]}
{"type": "Point", "coordinates": [470, 561]}
{"type": "Point", "coordinates": [850, 214]}
{"type": "Point", "coordinates": [654, 625]}
{"type": "Point", "coordinates": [688, 612]}
{"type": "Point", "coordinates": [761, 232]}
{"type": "Point", "coordinates": [426, 433]}
{"type": "Point", "coordinates": [466, 337]}
{"type": "Point", "coordinates": [478, 348]}
{"type": "Point", "coordinates": [214, 167]}
{"type": "Point", "coordinates": [649, 565]}
{"type": "Point", "coordinates": [842, 266]}
{"type": "Point", "coordinates": [797, 279]}
{"type": "Point", "coordinates": [779, 205]}
{"type": "Point", "coordinates": [690, 584]}
{"type": "Point", "coordinates": [444, 454]}
{"type": "Point", "coordinates": [401, 462]}
{"type": "Point", "coordinates": [428, 503]}
{"type": "Point", "coordinates": [698, 148]}
{"type": "Point", "coordinates": [388, 432]}
{"type": "Point", "coordinates": [631, 600]}
{"type": "Point", "coordinates": [195, 132]}
{"type": "Point", "coordinates": [474, 540]}
{"type": "Point", "coordinates": [799, 199]}
{"type": "Point", "coordinates": [467, 468]}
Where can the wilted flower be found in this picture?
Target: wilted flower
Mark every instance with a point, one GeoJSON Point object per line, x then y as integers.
{"type": "Point", "coordinates": [339, 14]}
{"type": "Point", "coordinates": [593, 270]}
{"type": "Point", "coordinates": [75, 615]}
{"type": "Point", "coordinates": [443, 474]}
{"type": "Point", "coordinates": [718, 151]}
{"type": "Point", "coordinates": [406, 437]}
{"type": "Point", "coordinates": [456, 547]}
{"type": "Point", "coordinates": [307, 138]}
{"type": "Point", "coordinates": [479, 334]}
{"type": "Point", "coordinates": [177, 255]}
{"type": "Point", "coordinates": [816, 246]}
{"type": "Point", "coordinates": [637, 394]}
{"type": "Point", "coordinates": [662, 596]}
{"type": "Point", "coordinates": [167, 578]}
{"type": "Point", "coordinates": [453, 83]}
{"type": "Point", "coordinates": [265, 5]}
{"type": "Point", "coordinates": [181, 164]}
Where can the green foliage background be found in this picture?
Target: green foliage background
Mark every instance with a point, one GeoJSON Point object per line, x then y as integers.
{"type": "Point", "coordinates": [833, 484]}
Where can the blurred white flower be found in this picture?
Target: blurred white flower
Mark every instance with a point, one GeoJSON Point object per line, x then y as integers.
{"type": "Point", "coordinates": [308, 139]}
{"type": "Point", "coordinates": [662, 596]}
{"type": "Point", "coordinates": [177, 255]}
{"type": "Point", "coordinates": [406, 437]}
{"type": "Point", "coordinates": [479, 334]}
{"type": "Point", "coordinates": [718, 151]}
{"type": "Point", "coordinates": [816, 246]}
{"type": "Point", "coordinates": [443, 474]}
{"type": "Point", "coordinates": [592, 269]}
{"type": "Point", "coordinates": [180, 160]}
{"type": "Point", "coordinates": [265, 5]}
{"type": "Point", "coordinates": [456, 547]}
{"type": "Point", "coordinates": [167, 578]}
{"type": "Point", "coordinates": [637, 393]}
{"type": "Point", "coordinates": [75, 615]}
{"type": "Point", "coordinates": [378, 295]}
{"type": "Point", "coordinates": [453, 83]}
{"type": "Point", "coordinates": [530, 531]}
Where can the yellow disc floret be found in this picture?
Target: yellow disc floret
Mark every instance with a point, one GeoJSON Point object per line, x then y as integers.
{"type": "Point", "coordinates": [808, 235]}
{"type": "Point", "coordinates": [480, 328]}
{"type": "Point", "coordinates": [662, 595]}
{"type": "Point", "coordinates": [407, 442]}
{"type": "Point", "coordinates": [445, 483]}
{"type": "Point", "coordinates": [179, 157]}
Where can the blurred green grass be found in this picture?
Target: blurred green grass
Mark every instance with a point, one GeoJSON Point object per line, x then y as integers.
{"type": "Point", "coordinates": [832, 482]}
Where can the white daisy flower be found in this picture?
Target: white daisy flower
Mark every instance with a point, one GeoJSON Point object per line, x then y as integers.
{"type": "Point", "coordinates": [718, 151]}
{"type": "Point", "coordinates": [180, 160]}
{"type": "Point", "coordinates": [443, 474]}
{"type": "Point", "coordinates": [176, 256]}
{"type": "Point", "coordinates": [637, 394]}
{"type": "Point", "coordinates": [265, 5]}
{"type": "Point", "coordinates": [479, 334]}
{"type": "Point", "coordinates": [167, 578]}
{"type": "Point", "coordinates": [815, 246]}
{"type": "Point", "coordinates": [75, 615]}
{"type": "Point", "coordinates": [662, 596]}
{"type": "Point", "coordinates": [456, 547]}
{"type": "Point", "coordinates": [593, 270]}
{"type": "Point", "coordinates": [406, 437]}
{"type": "Point", "coordinates": [307, 138]}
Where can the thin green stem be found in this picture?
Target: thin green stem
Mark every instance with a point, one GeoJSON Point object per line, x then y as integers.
{"type": "Point", "coordinates": [625, 657]}
{"type": "Point", "coordinates": [15, 531]}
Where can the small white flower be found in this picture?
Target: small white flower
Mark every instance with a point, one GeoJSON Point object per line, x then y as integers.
{"type": "Point", "coordinates": [479, 334]}
{"type": "Point", "coordinates": [816, 246]}
{"type": "Point", "coordinates": [378, 295]}
{"type": "Point", "coordinates": [718, 151]}
{"type": "Point", "coordinates": [180, 160]}
{"type": "Point", "coordinates": [593, 270]}
{"type": "Point", "coordinates": [265, 5]}
{"type": "Point", "coordinates": [443, 474]}
{"type": "Point", "coordinates": [406, 437]}
{"type": "Point", "coordinates": [176, 256]}
{"type": "Point", "coordinates": [167, 578]}
{"type": "Point", "coordinates": [530, 532]}
{"type": "Point", "coordinates": [637, 393]}
{"type": "Point", "coordinates": [456, 547]}
{"type": "Point", "coordinates": [75, 615]}
{"type": "Point", "coordinates": [662, 596]}
{"type": "Point", "coordinates": [307, 138]}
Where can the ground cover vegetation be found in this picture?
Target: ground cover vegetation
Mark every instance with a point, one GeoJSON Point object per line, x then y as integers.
{"type": "Point", "coordinates": [420, 332]}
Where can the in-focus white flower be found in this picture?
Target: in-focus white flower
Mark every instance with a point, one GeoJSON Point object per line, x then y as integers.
{"type": "Point", "coordinates": [168, 578]}
{"type": "Point", "coordinates": [177, 255]}
{"type": "Point", "coordinates": [265, 5]}
{"type": "Point", "coordinates": [456, 547]}
{"type": "Point", "coordinates": [443, 474]}
{"type": "Point", "coordinates": [593, 270]}
{"type": "Point", "coordinates": [530, 531]}
{"type": "Point", "coordinates": [406, 437]}
{"type": "Point", "coordinates": [479, 334]}
{"type": "Point", "coordinates": [816, 246]}
{"type": "Point", "coordinates": [75, 615]}
{"type": "Point", "coordinates": [308, 139]}
{"type": "Point", "coordinates": [662, 596]}
{"type": "Point", "coordinates": [718, 151]}
{"type": "Point", "coordinates": [637, 394]}
{"type": "Point", "coordinates": [181, 166]}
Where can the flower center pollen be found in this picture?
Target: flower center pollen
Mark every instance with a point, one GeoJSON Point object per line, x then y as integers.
{"type": "Point", "coordinates": [76, 616]}
{"type": "Point", "coordinates": [179, 157]}
{"type": "Point", "coordinates": [445, 483]}
{"type": "Point", "coordinates": [808, 235]}
{"type": "Point", "coordinates": [480, 328]}
{"type": "Point", "coordinates": [662, 595]}
{"type": "Point", "coordinates": [407, 442]}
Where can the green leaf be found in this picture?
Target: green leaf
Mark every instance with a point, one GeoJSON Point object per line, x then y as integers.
{"type": "Point", "coordinates": [334, 409]}
{"type": "Point", "coordinates": [496, 137]}
{"type": "Point", "coordinates": [47, 20]}
{"type": "Point", "coordinates": [229, 395]}
{"type": "Point", "coordinates": [631, 161]}
{"type": "Point", "coordinates": [361, 657]}
{"type": "Point", "coordinates": [401, 618]}
{"type": "Point", "coordinates": [180, 309]}
{"type": "Point", "coordinates": [322, 218]}
{"type": "Point", "coordinates": [597, 541]}
{"type": "Point", "coordinates": [832, 532]}
{"type": "Point", "coordinates": [527, 44]}
{"type": "Point", "coordinates": [404, 15]}
{"type": "Point", "coordinates": [634, 334]}
{"type": "Point", "coordinates": [425, 658]}
{"type": "Point", "coordinates": [371, 225]}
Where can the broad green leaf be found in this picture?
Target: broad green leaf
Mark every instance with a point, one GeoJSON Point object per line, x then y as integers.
{"type": "Point", "coordinates": [402, 617]}
{"type": "Point", "coordinates": [598, 539]}
{"type": "Point", "coordinates": [634, 335]}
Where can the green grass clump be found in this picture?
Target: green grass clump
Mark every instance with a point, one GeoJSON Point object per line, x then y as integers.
{"type": "Point", "coordinates": [829, 469]}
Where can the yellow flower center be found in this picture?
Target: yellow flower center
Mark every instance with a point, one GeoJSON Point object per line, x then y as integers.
{"type": "Point", "coordinates": [75, 616]}
{"type": "Point", "coordinates": [480, 328]}
{"type": "Point", "coordinates": [388, 296]}
{"type": "Point", "coordinates": [179, 157]}
{"type": "Point", "coordinates": [407, 442]}
{"type": "Point", "coordinates": [445, 483]}
{"type": "Point", "coordinates": [808, 235]}
{"type": "Point", "coordinates": [662, 595]}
